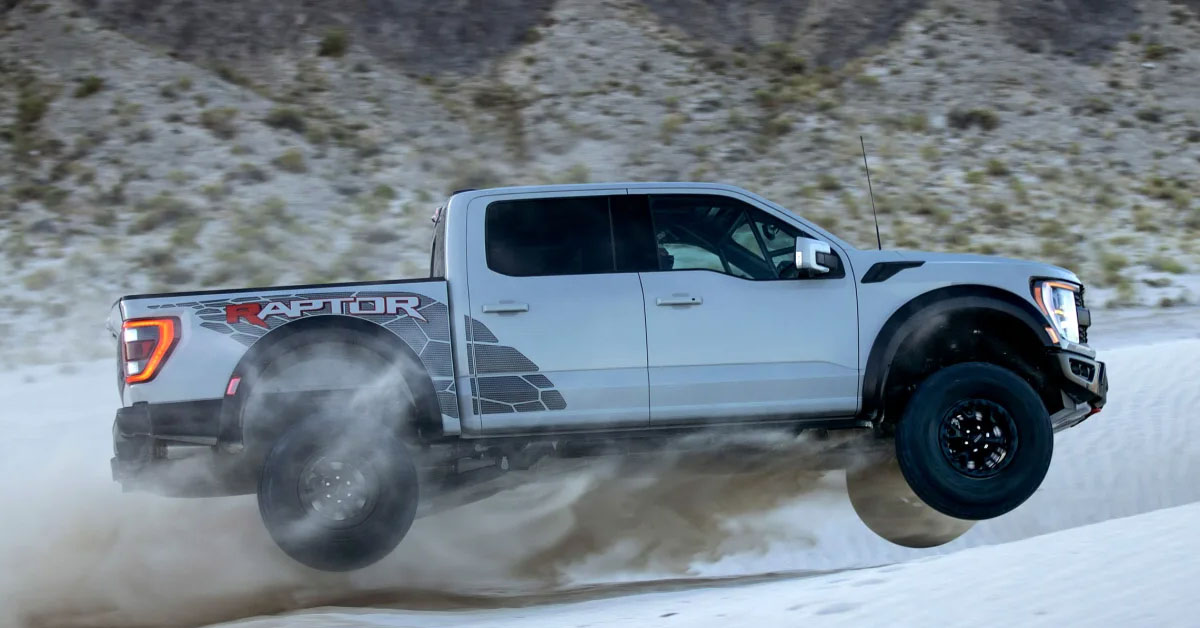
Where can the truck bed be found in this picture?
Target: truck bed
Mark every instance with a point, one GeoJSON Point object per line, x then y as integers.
{"type": "Point", "coordinates": [227, 323]}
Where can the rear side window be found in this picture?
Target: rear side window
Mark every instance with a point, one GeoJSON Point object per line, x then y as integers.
{"type": "Point", "coordinates": [549, 236]}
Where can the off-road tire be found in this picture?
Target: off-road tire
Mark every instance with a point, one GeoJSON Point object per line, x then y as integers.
{"type": "Point", "coordinates": [929, 470]}
{"type": "Point", "coordinates": [390, 481]}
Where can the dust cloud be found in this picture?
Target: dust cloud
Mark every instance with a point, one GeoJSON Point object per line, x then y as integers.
{"type": "Point", "coordinates": [79, 552]}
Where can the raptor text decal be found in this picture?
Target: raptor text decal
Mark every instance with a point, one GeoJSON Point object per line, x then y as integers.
{"type": "Point", "coordinates": [256, 313]}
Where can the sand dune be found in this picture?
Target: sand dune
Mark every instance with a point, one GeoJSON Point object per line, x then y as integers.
{"type": "Point", "coordinates": [76, 551]}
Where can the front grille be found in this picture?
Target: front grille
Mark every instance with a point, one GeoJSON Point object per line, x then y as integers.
{"type": "Point", "coordinates": [1083, 336]}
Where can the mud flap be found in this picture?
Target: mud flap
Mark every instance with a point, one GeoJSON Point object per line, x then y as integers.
{"type": "Point", "coordinates": [885, 503]}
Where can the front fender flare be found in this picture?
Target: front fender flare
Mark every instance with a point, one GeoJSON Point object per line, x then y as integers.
{"type": "Point", "coordinates": [912, 316]}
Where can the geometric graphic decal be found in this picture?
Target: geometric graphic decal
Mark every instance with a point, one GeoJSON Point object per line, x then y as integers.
{"type": "Point", "coordinates": [429, 339]}
{"type": "Point", "coordinates": [520, 389]}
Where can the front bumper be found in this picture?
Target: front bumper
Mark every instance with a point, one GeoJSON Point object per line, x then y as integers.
{"type": "Point", "coordinates": [1085, 388]}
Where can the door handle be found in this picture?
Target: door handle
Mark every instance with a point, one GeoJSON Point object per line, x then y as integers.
{"type": "Point", "coordinates": [679, 299]}
{"type": "Point", "coordinates": [503, 308]}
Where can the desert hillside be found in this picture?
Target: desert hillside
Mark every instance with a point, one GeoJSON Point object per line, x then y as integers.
{"type": "Point", "coordinates": [172, 145]}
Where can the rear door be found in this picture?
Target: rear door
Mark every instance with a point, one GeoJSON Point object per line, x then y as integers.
{"type": "Point", "coordinates": [733, 334]}
{"type": "Point", "coordinates": [556, 332]}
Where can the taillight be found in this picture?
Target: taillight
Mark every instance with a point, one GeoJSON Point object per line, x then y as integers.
{"type": "Point", "coordinates": [145, 345]}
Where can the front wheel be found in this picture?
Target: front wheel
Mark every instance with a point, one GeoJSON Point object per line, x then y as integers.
{"type": "Point", "coordinates": [337, 498]}
{"type": "Point", "coordinates": [975, 441]}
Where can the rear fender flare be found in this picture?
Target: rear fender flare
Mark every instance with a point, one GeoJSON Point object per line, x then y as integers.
{"type": "Point", "coordinates": [427, 424]}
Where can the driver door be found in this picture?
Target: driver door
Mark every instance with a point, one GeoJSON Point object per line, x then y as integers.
{"type": "Point", "coordinates": [732, 333]}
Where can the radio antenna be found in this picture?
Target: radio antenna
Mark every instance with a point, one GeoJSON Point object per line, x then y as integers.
{"type": "Point", "coordinates": [870, 191]}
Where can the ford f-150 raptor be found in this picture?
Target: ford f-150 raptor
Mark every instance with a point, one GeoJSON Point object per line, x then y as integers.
{"type": "Point", "coordinates": [560, 320]}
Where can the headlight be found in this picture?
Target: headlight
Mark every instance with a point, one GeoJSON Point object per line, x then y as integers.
{"type": "Point", "coordinates": [1057, 300]}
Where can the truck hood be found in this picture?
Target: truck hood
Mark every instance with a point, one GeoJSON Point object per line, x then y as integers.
{"type": "Point", "coordinates": [1034, 269]}
{"type": "Point", "coordinates": [1038, 269]}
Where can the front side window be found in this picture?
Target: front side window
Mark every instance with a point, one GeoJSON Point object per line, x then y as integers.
{"type": "Point", "coordinates": [697, 232]}
{"type": "Point", "coordinates": [549, 236]}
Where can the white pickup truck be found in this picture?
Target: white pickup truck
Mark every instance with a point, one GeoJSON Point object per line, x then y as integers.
{"type": "Point", "coordinates": [555, 318]}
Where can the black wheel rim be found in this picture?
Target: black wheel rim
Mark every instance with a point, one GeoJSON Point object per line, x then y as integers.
{"type": "Point", "coordinates": [978, 438]}
{"type": "Point", "coordinates": [339, 493]}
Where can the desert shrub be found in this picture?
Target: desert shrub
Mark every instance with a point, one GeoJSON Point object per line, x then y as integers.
{"type": "Point", "coordinates": [220, 121]}
{"type": "Point", "coordinates": [1051, 229]}
{"type": "Point", "coordinates": [228, 74]}
{"type": "Point", "coordinates": [1112, 263]}
{"type": "Point", "coordinates": [1126, 294]}
{"type": "Point", "coordinates": [998, 214]}
{"type": "Point", "coordinates": [777, 127]}
{"type": "Point", "coordinates": [497, 95]}
{"type": "Point", "coordinates": [985, 119]}
{"type": "Point", "coordinates": [384, 191]}
{"type": "Point", "coordinates": [1157, 282]}
{"type": "Point", "coordinates": [379, 235]}
{"type": "Point", "coordinates": [781, 58]}
{"type": "Point", "coordinates": [1150, 114]}
{"type": "Point", "coordinates": [288, 118]}
{"type": "Point", "coordinates": [997, 168]}
{"type": "Point", "coordinates": [90, 85]}
{"type": "Point", "coordinates": [158, 211]}
{"type": "Point", "coordinates": [215, 191]}
{"type": "Point", "coordinates": [1154, 51]}
{"type": "Point", "coordinates": [55, 197]}
{"type": "Point", "coordinates": [474, 175]}
{"type": "Point", "coordinates": [867, 80]}
{"type": "Point", "coordinates": [670, 126]}
{"type": "Point", "coordinates": [1174, 190]}
{"type": "Point", "coordinates": [829, 183]}
{"type": "Point", "coordinates": [31, 107]}
{"type": "Point", "coordinates": [184, 236]}
{"type": "Point", "coordinates": [334, 43]}
{"type": "Point", "coordinates": [291, 160]}
{"type": "Point", "coordinates": [1143, 219]}
{"type": "Point", "coordinates": [1166, 264]}
{"type": "Point", "coordinates": [316, 134]}
{"type": "Point", "coordinates": [39, 279]}
{"type": "Point", "coordinates": [917, 123]}
{"type": "Point", "coordinates": [365, 147]}
{"type": "Point", "coordinates": [1096, 106]}
{"type": "Point", "coordinates": [248, 173]}
{"type": "Point", "coordinates": [577, 173]}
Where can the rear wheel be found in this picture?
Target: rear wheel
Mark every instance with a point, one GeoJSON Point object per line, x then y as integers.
{"type": "Point", "coordinates": [337, 498]}
{"type": "Point", "coordinates": [975, 441]}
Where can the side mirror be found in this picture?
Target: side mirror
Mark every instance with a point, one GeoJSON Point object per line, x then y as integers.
{"type": "Point", "coordinates": [812, 256]}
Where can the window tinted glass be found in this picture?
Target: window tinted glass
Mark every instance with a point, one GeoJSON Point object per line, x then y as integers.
{"type": "Point", "coordinates": [778, 237]}
{"type": "Point", "coordinates": [549, 236]}
{"type": "Point", "coordinates": [721, 234]}
{"type": "Point", "coordinates": [633, 234]}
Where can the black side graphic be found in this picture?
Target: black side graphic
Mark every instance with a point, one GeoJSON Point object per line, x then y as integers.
{"type": "Point", "coordinates": [882, 271]}
{"type": "Point", "coordinates": [505, 380]}
{"type": "Point", "coordinates": [429, 339]}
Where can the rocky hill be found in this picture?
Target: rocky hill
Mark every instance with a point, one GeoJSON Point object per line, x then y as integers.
{"type": "Point", "coordinates": [172, 145]}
